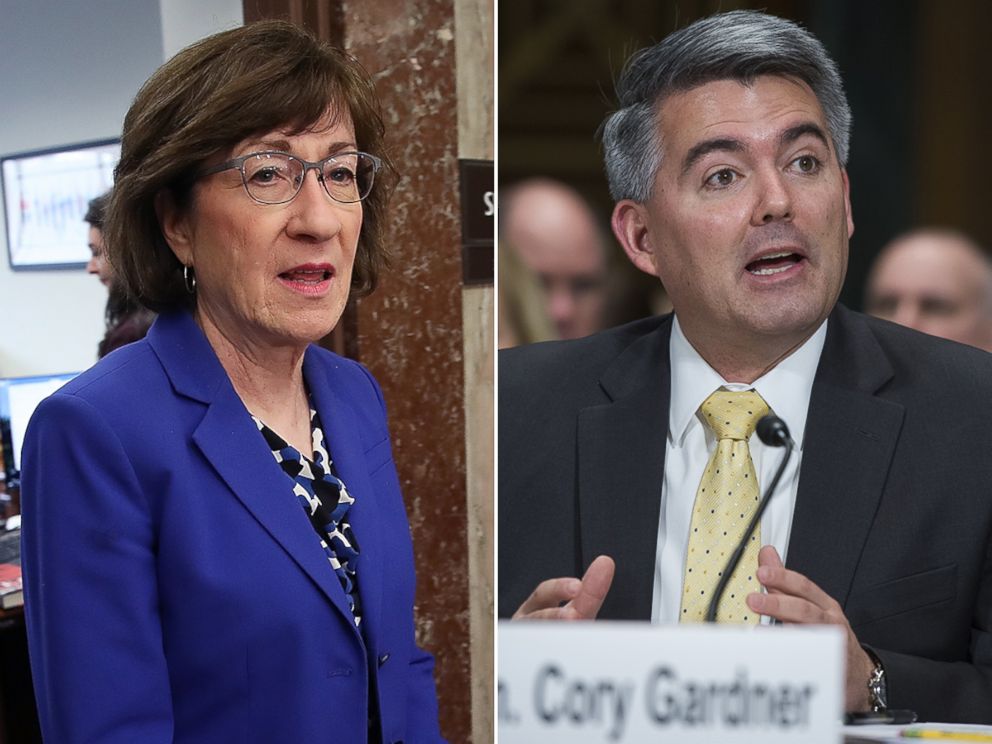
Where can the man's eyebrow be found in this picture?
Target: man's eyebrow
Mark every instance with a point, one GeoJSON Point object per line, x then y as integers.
{"type": "Point", "coordinates": [705, 147]}
{"type": "Point", "coordinates": [801, 130]}
{"type": "Point", "coordinates": [725, 144]}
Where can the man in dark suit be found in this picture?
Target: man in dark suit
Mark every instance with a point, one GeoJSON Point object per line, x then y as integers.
{"type": "Point", "coordinates": [727, 161]}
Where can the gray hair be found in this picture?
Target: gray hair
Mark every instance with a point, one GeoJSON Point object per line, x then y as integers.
{"type": "Point", "coordinates": [739, 45]}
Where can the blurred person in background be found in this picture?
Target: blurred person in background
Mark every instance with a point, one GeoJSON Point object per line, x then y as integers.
{"type": "Point", "coordinates": [556, 236]}
{"type": "Point", "coordinates": [938, 281]}
{"type": "Point", "coordinates": [632, 295]}
{"type": "Point", "coordinates": [98, 264]}
{"type": "Point", "coordinates": [126, 320]}
{"type": "Point", "coordinates": [522, 317]}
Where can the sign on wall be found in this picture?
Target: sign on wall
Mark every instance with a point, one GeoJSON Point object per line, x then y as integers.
{"type": "Point", "coordinates": [478, 198]}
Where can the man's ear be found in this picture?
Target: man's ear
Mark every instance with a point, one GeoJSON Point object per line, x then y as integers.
{"type": "Point", "coordinates": [847, 203]}
{"type": "Point", "coordinates": [630, 226]}
{"type": "Point", "coordinates": [175, 226]}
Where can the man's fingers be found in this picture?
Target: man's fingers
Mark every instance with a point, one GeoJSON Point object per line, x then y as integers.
{"type": "Point", "coordinates": [548, 595]}
{"type": "Point", "coordinates": [768, 556]}
{"type": "Point", "coordinates": [789, 609]}
{"type": "Point", "coordinates": [791, 597]}
{"type": "Point", "coordinates": [595, 584]}
{"type": "Point", "coordinates": [551, 613]}
{"type": "Point", "coordinates": [583, 598]}
{"type": "Point", "coordinates": [777, 579]}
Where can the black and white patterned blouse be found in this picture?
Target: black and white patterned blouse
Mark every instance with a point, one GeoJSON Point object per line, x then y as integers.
{"type": "Point", "coordinates": [326, 501]}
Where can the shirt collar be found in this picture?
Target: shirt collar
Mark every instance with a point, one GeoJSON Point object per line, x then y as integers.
{"type": "Point", "coordinates": [785, 388]}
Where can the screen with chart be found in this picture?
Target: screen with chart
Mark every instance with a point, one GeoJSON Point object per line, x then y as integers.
{"type": "Point", "coordinates": [45, 196]}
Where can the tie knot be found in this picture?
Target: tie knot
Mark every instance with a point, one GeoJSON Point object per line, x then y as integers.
{"type": "Point", "coordinates": [733, 415]}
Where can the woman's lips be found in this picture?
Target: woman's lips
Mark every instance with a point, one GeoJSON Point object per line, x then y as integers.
{"type": "Point", "coordinates": [309, 280]}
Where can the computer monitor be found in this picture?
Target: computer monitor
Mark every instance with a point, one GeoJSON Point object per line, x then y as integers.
{"type": "Point", "coordinates": [19, 396]}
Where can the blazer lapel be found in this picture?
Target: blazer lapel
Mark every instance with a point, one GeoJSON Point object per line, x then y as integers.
{"type": "Point", "coordinates": [621, 465]}
{"type": "Point", "coordinates": [343, 434]}
{"type": "Point", "coordinates": [229, 440]}
{"type": "Point", "coordinates": [850, 439]}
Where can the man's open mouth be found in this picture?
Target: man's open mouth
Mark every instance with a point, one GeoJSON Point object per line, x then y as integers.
{"type": "Point", "coordinates": [774, 263]}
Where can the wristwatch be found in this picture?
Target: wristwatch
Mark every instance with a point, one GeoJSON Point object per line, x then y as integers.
{"type": "Point", "coordinates": [876, 685]}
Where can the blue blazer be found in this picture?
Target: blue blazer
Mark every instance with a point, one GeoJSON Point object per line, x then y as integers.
{"type": "Point", "coordinates": [175, 589]}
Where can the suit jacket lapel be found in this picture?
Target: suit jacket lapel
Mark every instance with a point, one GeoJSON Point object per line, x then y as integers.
{"type": "Point", "coordinates": [229, 439]}
{"type": "Point", "coordinates": [621, 465]}
{"type": "Point", "coordinates": [850, 438]}
{"type": "Point", "coordinates": [343, 435]}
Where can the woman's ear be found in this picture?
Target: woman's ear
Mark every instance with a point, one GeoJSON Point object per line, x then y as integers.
{"type": "Point", "coordinates": [175, 226]}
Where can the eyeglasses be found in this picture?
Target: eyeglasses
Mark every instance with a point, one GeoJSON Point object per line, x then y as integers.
{"type": "Point", "coordinates": [277, 177]}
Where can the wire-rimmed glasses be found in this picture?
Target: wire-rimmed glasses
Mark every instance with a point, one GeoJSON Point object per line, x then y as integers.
{"type": "Point", "coordinates": [274, 177]}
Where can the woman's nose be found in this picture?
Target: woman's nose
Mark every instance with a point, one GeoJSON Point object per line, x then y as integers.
{"type": "Point", "coordinates": [317, 216]}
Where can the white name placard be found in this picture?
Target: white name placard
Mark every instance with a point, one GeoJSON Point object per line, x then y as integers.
{"type": "Point", "coordinates": [614, 682]}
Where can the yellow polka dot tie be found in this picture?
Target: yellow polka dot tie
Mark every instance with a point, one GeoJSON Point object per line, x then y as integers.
{"type": "Point", "coordinates": [725, 502]}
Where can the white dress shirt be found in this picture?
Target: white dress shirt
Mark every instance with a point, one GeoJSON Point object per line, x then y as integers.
{"type": "Point", "coordinates": [786, 389]}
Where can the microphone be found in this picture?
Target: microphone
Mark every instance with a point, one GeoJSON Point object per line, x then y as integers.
{"type": "Point", "coordinates": [774, 433]}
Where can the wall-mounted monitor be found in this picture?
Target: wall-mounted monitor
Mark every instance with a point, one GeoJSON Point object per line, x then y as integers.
{"type": "Point", "coordinates": [45, 195]}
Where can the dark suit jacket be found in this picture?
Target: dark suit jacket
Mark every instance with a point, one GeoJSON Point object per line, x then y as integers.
{"type": "Point", "coordinates": [176, 591]}
{"type": "Point", "coordinates": [893, 514]}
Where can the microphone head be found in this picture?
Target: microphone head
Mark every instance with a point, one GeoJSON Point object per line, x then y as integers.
{"type": "Point", "coordinates": [773, 431]}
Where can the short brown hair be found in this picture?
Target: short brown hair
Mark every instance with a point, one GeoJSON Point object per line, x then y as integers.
{"type": "Point", "coordinates": [201, 103]}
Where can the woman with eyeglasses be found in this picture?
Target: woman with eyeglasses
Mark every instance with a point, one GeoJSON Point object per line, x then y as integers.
{"type": "Point", "coordinates": [215, 548]}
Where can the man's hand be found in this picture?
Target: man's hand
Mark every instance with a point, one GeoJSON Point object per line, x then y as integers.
{"type": "Point", "coordinates": [582, 599]}
{"type": "Point", "coordinates": [792, 598]}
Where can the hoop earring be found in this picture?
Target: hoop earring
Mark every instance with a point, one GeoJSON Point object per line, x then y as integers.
{"type": "Point", "coordinates": [189, 279]}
